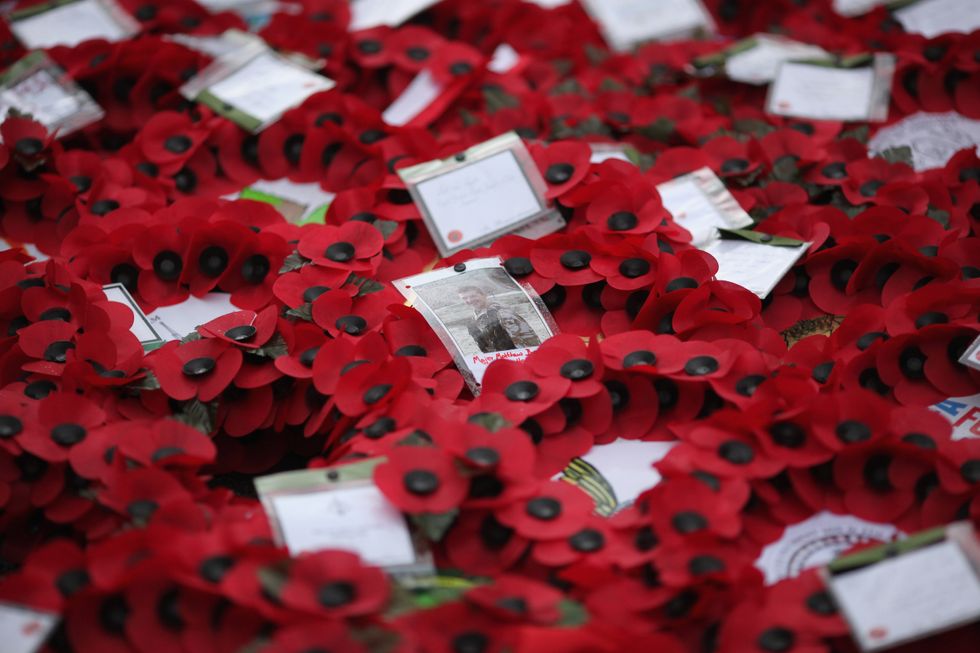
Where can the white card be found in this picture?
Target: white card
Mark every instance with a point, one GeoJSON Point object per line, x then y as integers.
{"type": "Point", "coordinates": [214, 46]}
{"type": "Point", "coordinates": [753, 266]}
{"type": "Point", "coordinates": [72, 24]}
{"type": "Point", "coordinates": [933, 138]}
{"type": "Point", "coordinates": [549, 4]}
{"type": "Point", "coordinates": [504, 58]}
{"type": "Point", "coordinates": [971, 357]}
{"type": "Point", "coordinates": [28, 248]}
{"type": "Point", "coordinates": [422, 91]}
{"type": "Point", "coordinates": [269, 85]}
{"type": "Point", "coordinates": [963, 413]}
{"type": "Point", "coordinates": [365, 14]}
{"type": "Point", "coordinates": [758, 64]}
{"type": "Point", "coordinates": [930, 18]}
{"type": "Point", "coordinates": [627, 23]}
{"type": "Point", "coordinates": [909, 596]}
{"type": "Point", "coordinates": [308, 198]}
{"type": "Point", "coordinates": [142, 328]}
{"type": "Point", "coordinates": [41, 96]}
{"type": "Point", "coordinates": [626, 466]}
{"type": "Point", "coordinates": [22, 629]}
{"type": "Point", "coordinates": [816, 541]}
{"type": "Point", "coordinates": [700, 203]}
{"type": "Point", "coordinates": [175, 322]}
{"type": "Point", "coordinates": [357, 519]}
{"type": "Point", "coordinates": [856, 7]}
{"type": "Point", "coordinates": [603, 152]}
{"type": "Point", "coordinates": [824, 93]}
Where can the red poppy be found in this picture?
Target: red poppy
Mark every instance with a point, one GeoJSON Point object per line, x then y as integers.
{"type": "Point", "coordinates": [200, 368]}
{"type": "Point", "coordinates": [554, 509]}
{"type": "Point", "coordinates": [63, 421]}
{"type": "Point", "coordinates": [479, 544]}
{"type": "Point", "coordinates": [353, 246]}
{"type": "Point", "coordinates": [517, 599]}
{"type": "Point", "coordinates": [334, 584]}
{"type": "Point", "coordinates": [511, 384]}
{"type": "Point", "coordinates": [750, 628]}
{"type": "Point", "coordinates": [421, 480]}
{"type": "Point", "coordinates": [304, 637]}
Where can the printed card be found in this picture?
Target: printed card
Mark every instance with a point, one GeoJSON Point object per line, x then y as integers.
{"type": "Point", "coordinates": [930, 18]}
{"type": "Point", "coordinates": [340, 508]}
{"type": "Point", "coordinates": [480, 313]}
{"type": "Point", "coordinates": [816, 541]}
{"type": "Point", "coordinates": [253, 86]}
{"type": "Point", "coordinates": [142, 327]}
{"type": "Point", "coordinates": [628, 23]}
{"type": "Point", "coordinates": [700, 203]}
{"type": "Point", "coordinates": [758, 64]}
{"type": "Point", "coordinates": [175, 322]}
{"type": "Point", "coordinates": [963, 413]}
{"type": "Point", "coordinates": [70, 23]}
{"type": "Point", "coordinates": [365, 14]}
{"type": "Point", "coordinates": [23, 629]}
{"type": "Point", "coordinates": [822, 92]}
{"type": "Point", "coordinates": [909, 596]}
{"type": "Point", "coordinates": [615, 474]}
{"type": "Point", "coordinates": [37, 86]}
{"type": "Point", "coordinates": [933, 138]}
{"type": "Point", "coordinates": [487, 191]}
{"type": "Point", "coordinates": [755, 266]}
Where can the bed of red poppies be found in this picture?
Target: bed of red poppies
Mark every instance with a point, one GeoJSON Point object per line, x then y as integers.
{"type": "Point", "coordinates": [125, 479]}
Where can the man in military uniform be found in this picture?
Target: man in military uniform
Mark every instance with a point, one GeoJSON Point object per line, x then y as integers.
{"type": "Point", "coordinates": [494, 327]}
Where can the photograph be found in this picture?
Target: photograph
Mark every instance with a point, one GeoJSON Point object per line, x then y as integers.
{"type": "Point", "coordinates": [481, 313]}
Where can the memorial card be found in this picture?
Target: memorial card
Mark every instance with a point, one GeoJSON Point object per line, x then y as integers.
{"type": "Point", "coordinates": [71, 22]}
{"type": "Point", "coordinates": [821, 91]}
{"type": "Point", "coordinates": [930, 18]}
{"type": "Point", "coordinates": [700, 203]}
{"type": "Point", "coordinates": [471, 198]}
{"type": "Point", "coordinates": [23, 629]}
{"type": "Point", "coordinates": [365, 14]}
{"type": "Point", "coordinates": [754, 260]}
{"type": "Point", "coordinates": [480, 313]}
{"type": "Point", "coordinates": [933, 138]}
{"type": "Point", "coordinates": [628, 23]}
{"type": "Point", "coordinates": [756, 59]}
{"type": "Point", "coordinates": [38, 87]}
{"type": "Point", "coordinates": [142, 327]}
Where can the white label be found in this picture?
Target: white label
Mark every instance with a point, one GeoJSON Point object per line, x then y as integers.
{"type": "Point", "coordinates": [365, 14]}
{"type": "Point", "coordinates": [758, 64]}
{"type": "Point", "coordinates": [308, 197]}
{"type": "Point", "coordinates": [753, 266]}
{"type": "Point", "coordinates": [909, 596]}
{"type": "Point", "coordinates": [856, 7]}
{"type": "Point", "coordinates": [267, 86]}
{"type": "Point", "coordinates": [971, 357]}
{"type": "Point", "coordinates": [930, 18]}
{"type": "Point", "coordinates": [422, 91]}
{"type": "Point", "coordinates": [468, 204]}
{"type": "Point", "coordinates": [504, 58]}
{"type": "Point", "coordinates": [700, 213]}
{"type": "Point", "coordinates": [41, 96]}
{"type": "Point", "coordinates": [963, 413]}
{"type": "Point", "coordinates": [822, 93]}
{"type": "Point", "coordinates": [816, 541]}
{"type": "Point", "coordinates": [933, 138]}
{"type": "Point", "coordinates": [23, 630]}
{"type": "Point", "coordinates": [69, 25]}
{"type": "Point", "coordinates": [626, 466]}
{"type": "Point", "coordinates": [142, 328]}
{"type": "Point", "coordinates": [626, 23]}
{"type": "Point", "coordinates": [357, 519]}
{"type": "Point", "coordinates": [175, 322]}
{"type": "Point", "coordinates": [602, 152]}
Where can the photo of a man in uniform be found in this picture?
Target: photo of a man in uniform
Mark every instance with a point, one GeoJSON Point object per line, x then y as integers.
{"type": "Point", "coordinates": [495, 327]}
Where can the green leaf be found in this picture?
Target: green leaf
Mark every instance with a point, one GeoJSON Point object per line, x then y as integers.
{"type": "Point", "coordinates": [148, 382]}
{"type": "Point", "coordinates": [376, 639]}
{"type": "Point", "coordinates": [861, 133]}
{"type": "Point", "coordinates": [293, 262]}
{"type": "Point", "coordinates": [190, 337]}
{"type": "Point", "coordinates": [365, 286]}
{"type": "Point", "coordinates": [901, 154]}
{"type": "Point", "coordinates": [492, 422]}
{"type": "Point", "coordinates": [939, 215]}
{"type": "Point", "coordinates": [304, 312]}
{"type": "Point", "coordinates": [496, 99]}
{"type": "Point", "coordinates": [573, 613]}
{"type": "Point", "coordinates": [659, 130]}
{"type": "Point", "coordinates": [198, 415]}
{"type": "Point", "coordinates": [416, 438]}
{"type": "Point", "coordinates": [275, 348]}
{"type": "Point", "coordinates": [434, 525]}
{"type": "Point", "coordinates": [273, 577]}
{"type": "Point", "coordinates": [785, 168]}
{"type": "Point", "coordinates": [386, 227]}
{"type": "Point", "coordinates": [595, 55]}
{"type": "Point", "coordinates": [757, 128]}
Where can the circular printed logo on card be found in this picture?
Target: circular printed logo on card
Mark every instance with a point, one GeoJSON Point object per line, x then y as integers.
{"type": "Point", "coordinates": [454, 236]}
{"type": "Point", "coordinates": [816, 541]}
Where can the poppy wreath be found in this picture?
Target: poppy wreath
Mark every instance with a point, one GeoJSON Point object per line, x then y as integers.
{"type": "Point", "coordinates": [126, 476]}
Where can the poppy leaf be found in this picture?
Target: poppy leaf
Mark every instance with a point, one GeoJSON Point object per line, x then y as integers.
{"type": "Point", "coordinates": [939, 215]}
{"type": "Point", "coordinates": [304, 312]}
{"type": "Point", "coordinates": [860, 133]}
{"type": "Point", "coordinates": [386, 227]}
{"type": "Point", "coordinates": [573, 613]}
{"type": "Point", "coordinates": [660, 129]}
{"type": "Point", "coordinates": [785, 168]}
{"type": "Point", "coordinates": [273, 578]}
{"type": "Point", "coordinates": [293, 262]}
{"type": "Point", "coordinates": [492, 422]}
{"type": "Point", "coordinates": [365, 286]}
{"type": "Point", "coordinates": [901, 154]}
{"type": "Point", "coordinates": [275, 348]}
{"type": "Point", "coordinates": [375, 638]}
{"type": "Point", "coordinates": [434, 525]}
{"type": "Point", "coordinates": [190, 337]}
{"type": "Point", "coordinates": [197, 415]}
{"type": "Point", "coordinates": [753, 127]}
{"type": "Point", "coordinates": [148, 382]}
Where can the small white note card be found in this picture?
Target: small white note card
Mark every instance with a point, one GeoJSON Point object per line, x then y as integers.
{"type": "Point", "coordinates": [700, 203]}
{"type": "Point", "coordinates": [357, 519]}
{"type": "Point", "coordinates": [856, 7]}
{"type": "Point", "coordinates": [971, 357]}
{"type": "Point", "coordinates": [422, 91]}
{"type": "Point", "coordinates": [822, 92]}
{"type": "Point", "coordinates": [758, 64]}
{"type": "Point", "coordinates": [910, 596]}
{"type": "Point", "coordinates": [23, 629]}
{"type": "Point", "coordinates": [72, 23]}
{"type": "Point", "coordinates": [142, 328]}
{"type": "Point", "coordinates": [626, 466]}
{"type": "Point", "coordinates": [930, 18]}
{"type": "Point", "coordinates": [487, 191]}
{"type": "Point", "coordinates": [933, 138]}
{"type": "Point", "coordinates": [755, 266]}
{"type": "Point", "coordinates": [175, 322]}
{"type": "Point", "coordinates": [627, 23]}
{"type": "Point", "coordinates": [365, 14]}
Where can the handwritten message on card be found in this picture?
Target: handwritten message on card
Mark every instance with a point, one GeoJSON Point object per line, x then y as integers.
{"type": "Point", "coordinates": [70, 25]}
{"type": "Point", "coordinates": [752, 265]}
{"type": "Point", "coordinates": [23, 630]}
{"type": "Point", "coordinates": [822, 93]}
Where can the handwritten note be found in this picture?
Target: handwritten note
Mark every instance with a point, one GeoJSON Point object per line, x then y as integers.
{"type": "Point", "coordinates": [357, 519]}
{"type": "Point", "coordinates": [23, 630]}
{"type": "Point", "coordinates": [700, 203]}
{"type": "Point", "coordinates": [627, 23]}
{"type": "Point", "coordinates": [758, 64]}
{"type": "Point", "coordinates": [822, 93]}
{"type": "Point", "coordinates": [753, 266]}
{"type": "Point", "coordinates": [175, 322]}
{"type": "Point", "coordinates": [933, 137]}
{"type": "Point", "coordinates": [72, 24]}
{"type": "Point", "coordinates": [268, 85]}
{"type": "Point", "coordinates": [41, 96]}
{"type": "Point", "coordinates": [816, 541]}
{"type": "Point", "coordinates": [910, 596]}
{"type": "Point", "coordinates": [930, 18]}
{"type": "Point", "coordinates": [469, 203]}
